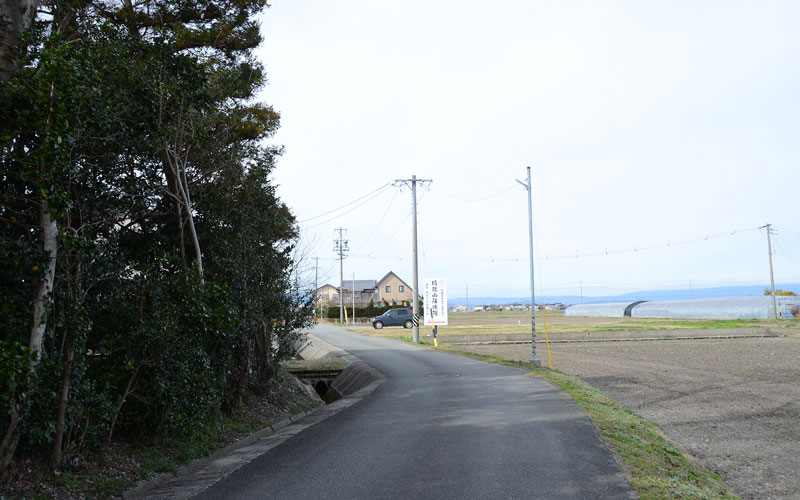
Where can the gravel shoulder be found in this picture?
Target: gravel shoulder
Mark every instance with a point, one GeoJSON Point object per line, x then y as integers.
{"type": "Point", "coordinates": [732, 403]}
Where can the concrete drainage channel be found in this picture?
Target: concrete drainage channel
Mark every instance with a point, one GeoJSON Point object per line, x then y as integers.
{"type": "Point", "coordinates": [343, 387]}
{"type": "Point", "coordinates": [332, 384]}
{"type": "Point", "coordinates": [318, 381]}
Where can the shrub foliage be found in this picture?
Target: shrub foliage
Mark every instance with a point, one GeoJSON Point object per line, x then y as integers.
{"type": "Point", "coordinates": [145, 259]}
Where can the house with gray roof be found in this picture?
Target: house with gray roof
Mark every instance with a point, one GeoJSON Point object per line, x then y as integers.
{"type": "Point", "coordinates": [389, 289]}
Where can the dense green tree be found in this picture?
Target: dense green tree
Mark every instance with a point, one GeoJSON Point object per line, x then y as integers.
{"type": "Point", "coordinates": [145, 259]}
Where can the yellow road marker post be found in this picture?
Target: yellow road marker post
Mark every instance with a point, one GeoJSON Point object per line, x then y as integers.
{"type": "Point", "coordinates": [547, 340]}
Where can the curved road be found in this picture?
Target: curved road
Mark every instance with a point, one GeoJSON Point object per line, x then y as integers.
{"type": "Point", "coordinates": [441, 426]}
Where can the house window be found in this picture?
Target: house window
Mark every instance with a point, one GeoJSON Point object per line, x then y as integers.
{"type": "Point", "coordinates": [388, 289]}
{"type": "Point", "coordinates": [401, 288]}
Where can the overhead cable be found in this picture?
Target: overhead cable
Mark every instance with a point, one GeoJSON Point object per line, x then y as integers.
{"type": "Point", "coordinates": [785, 253]}
{"type": "Point", "coordinates": [373, 194]}
{"type": "Point", "coordinates": [475, 199]}
{"type": "Point", "coordinates": [377, 225]}
{"type": "Point", "coordinates": [345, 205]}
{"type": "Point", "coordinates": [605, 252]}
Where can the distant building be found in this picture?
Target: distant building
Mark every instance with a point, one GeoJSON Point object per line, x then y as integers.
{"type": "Point", "coordinates": [389, 289]}
{"type": "Point", "coordinates": [328, 293]}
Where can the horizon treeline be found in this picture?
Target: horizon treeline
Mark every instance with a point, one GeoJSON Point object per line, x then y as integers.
{"type": "Point", "coordinates": [145, 259]}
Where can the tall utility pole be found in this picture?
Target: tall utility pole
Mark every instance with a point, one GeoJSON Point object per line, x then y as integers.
{"type": "Point", "coordinates": [771, 275]}
{"type": "Point", "coordinates": [340, 247]}
{"type": "Point", "coordinates": [354, 298]}
{"type": "Point", "coordinates": [316, 289]}
{"type": "Point", "coordinates": [527, 185]}
{"type": "Point", "coordinates": [415, 304]}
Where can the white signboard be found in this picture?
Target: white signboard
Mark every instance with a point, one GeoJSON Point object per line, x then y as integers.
{"type": "Point", "coordinates": [435, 302]}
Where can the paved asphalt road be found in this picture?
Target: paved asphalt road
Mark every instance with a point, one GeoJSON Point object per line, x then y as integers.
{"type": "Point", "coordinates": [442, 427]}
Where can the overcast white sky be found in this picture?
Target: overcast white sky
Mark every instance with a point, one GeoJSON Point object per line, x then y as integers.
{"type": "Point", "coordinates": [645, 124]}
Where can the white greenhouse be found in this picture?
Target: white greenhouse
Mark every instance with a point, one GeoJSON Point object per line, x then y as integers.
{"type": "Point", "coordinates": [758, 307]}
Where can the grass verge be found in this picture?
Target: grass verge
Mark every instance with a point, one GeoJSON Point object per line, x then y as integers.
{"type": "Point", "coordinates": [110, 470]}
{"type": "Point", "coordinates": [315, 364]}
{"type": "Point", "coordinates": [655, 466]}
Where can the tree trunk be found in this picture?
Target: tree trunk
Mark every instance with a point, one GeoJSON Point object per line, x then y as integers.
{"type": "Point", "coordinates": [9, 444]}
{"type": "Point", "coordinates": [74, 296]}
{"type": "Point", "coordinates": [177, 183]}
{"type": "Point", "coordinates": [128, 390]}
{"type": "Point", "coordinates": [45, 291]}
{"type": "Point", "coordinates": [175, 194]}
{"type": "Point", "coordinates": [15, 17]}
{"type": "Point", "coordinates": [184, 185]}
{"type": "Point", "coordinates": [55, 455]}
{"type": "Point", "coordinates": [40, 305]}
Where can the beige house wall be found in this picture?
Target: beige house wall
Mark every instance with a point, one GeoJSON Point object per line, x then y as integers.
{"type": "Point", "coordinates": [394, 283]}
{"type": "Point", "coordinates": [329, 293]}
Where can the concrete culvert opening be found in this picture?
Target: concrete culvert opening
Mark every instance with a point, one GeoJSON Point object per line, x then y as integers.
{"type": "Point", "coordinates": [318, 375]}
{"type": "Point", "coordinates": [321, 387]}
{"type": "Point", "coordinates": [326, 392]}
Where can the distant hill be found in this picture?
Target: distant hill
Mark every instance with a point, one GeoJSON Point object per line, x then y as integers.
{"type": "Point", "coordinates": [683, 294]}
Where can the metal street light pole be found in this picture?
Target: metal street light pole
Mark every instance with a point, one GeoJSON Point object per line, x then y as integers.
{"type": "Point", "coordinates": [527, 185]}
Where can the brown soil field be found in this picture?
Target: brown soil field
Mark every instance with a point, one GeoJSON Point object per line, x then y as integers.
{"type": "Point", "coordinates": [732, 403]}
{"type": "Point", "coordinates": [506, 322]}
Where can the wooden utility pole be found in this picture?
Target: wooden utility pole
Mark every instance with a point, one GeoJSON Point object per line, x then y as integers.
{"type": "Point", "coordinates": [354, 299]}
{"type": "Point", "coordinates": [771, 275]}
{"type": "Point", "coordinates": [415, 295]}
{"type": "Point", "coordinates": [340, 247]}
{"type": "Point", "coordinates": [316, 289]}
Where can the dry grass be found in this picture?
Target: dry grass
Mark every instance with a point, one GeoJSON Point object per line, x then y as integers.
{"type": "Point", "coordinates": [315, 364]}
{"type": "Point", "coordinates": [510, 322]}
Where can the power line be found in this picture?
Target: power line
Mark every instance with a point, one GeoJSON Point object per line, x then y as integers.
{"type": "Point", "coordinates": [782, 232]}
{"type": "Point", "coordinates": [475, 199]}
{"type": "Point", "coordinates": [377, 225]}
{"type": "Point", "coordinates": [785, 253]}
{"type": "Point", "coordinates": [374, 195]}
{"type": "Point", "coordinates": [389, 239]}
{"type": "Point", "coordinates": [579, 255]}
{"type": "Point", "coordinates": [345, 205]}
{"type": "Point", "coordinates": [394, 233]}
{"type": "Point", "coordinates": [637, 248]}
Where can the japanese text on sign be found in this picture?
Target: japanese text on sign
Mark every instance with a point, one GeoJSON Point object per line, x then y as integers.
{"type": "Point", "coordinates": [435, 301]}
